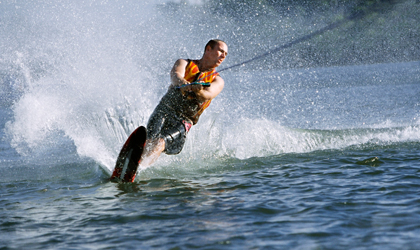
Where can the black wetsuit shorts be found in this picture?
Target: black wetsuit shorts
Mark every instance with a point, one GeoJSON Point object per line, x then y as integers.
{"type": "Point", "coordinates": [165, 124]}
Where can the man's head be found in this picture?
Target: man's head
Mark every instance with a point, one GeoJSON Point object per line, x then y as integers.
{"type": "Point", "coordinates": [213, 43]}
{"type": "Point", "coordinates": [215, 52]}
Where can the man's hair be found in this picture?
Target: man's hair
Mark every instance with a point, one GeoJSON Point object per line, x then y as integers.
{"type": "Point", "coordinates": [213, 43]}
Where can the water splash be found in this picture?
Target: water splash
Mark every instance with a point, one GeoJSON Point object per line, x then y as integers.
{"type": "Point", "coordinates": [84, 75]}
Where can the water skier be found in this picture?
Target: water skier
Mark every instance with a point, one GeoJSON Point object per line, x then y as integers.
{"type": "Point", "coordinates": [194, 83]}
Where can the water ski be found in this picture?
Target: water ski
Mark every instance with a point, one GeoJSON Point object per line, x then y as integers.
{"type": "Point", "coordinates": [129, 157]}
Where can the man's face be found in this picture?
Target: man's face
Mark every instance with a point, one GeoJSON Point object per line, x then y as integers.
{"type": "Point", "coordinates": [218, 54]}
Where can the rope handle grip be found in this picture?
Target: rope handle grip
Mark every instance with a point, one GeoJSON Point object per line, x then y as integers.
{"type": "Point", "coordinates": [205, 84]}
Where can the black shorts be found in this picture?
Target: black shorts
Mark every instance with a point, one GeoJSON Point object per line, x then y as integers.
{"type": "Point", "coordinates": [163, 123]}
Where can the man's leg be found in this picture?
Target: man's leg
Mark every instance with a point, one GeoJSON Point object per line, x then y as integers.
{"type": "Point", "coordinates": [154, 147]}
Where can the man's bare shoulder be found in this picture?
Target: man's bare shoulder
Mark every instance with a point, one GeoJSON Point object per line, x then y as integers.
{"type": "Point", "coordinates": [181, 62]}
{"type": "Point", "coordinates": [216, 86]}
{"type": "Point", "coordinates": [219, 80]}
{"type": "Point", "coordinates": [179, 65]}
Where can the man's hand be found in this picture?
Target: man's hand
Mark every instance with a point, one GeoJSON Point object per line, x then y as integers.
{"type": "Point", "coordinates": [191, 88]}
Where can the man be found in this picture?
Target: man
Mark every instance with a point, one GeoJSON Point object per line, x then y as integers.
{"type": "Point", "coordinates": [182, 105]}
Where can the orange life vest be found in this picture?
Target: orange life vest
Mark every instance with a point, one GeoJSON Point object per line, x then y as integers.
{"type": "Point", "coordinates": [192, 74]}
{"type": "Point", "coordinates": [187, 106]}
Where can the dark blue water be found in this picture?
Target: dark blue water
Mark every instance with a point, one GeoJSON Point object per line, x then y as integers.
{"type": "Point", "coordinates": [321, 158]}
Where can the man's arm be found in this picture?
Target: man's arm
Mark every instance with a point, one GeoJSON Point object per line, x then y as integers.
{"type": "Point", "coordinates": [206, 93]}
{"type": "Point", "coordinates": [202, 93]}
{"type": "Point", "coordinates": [178, 72]}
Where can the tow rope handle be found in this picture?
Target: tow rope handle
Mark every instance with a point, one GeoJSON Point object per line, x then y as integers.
{"type": "Point", "coordinates": [205, 84]}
